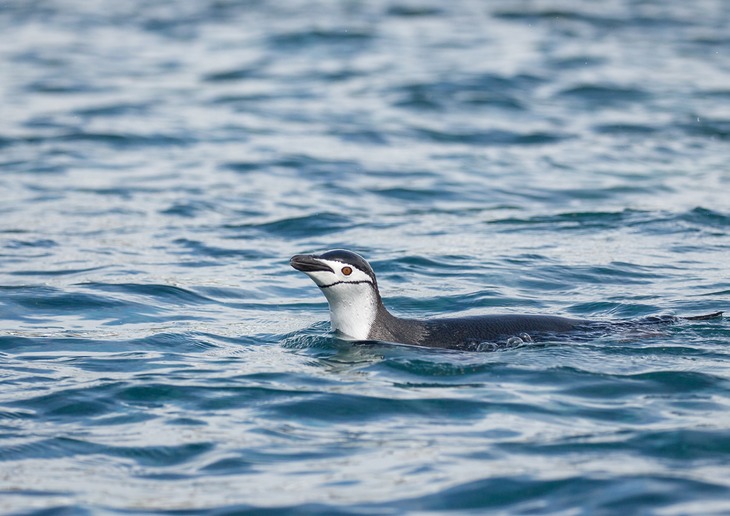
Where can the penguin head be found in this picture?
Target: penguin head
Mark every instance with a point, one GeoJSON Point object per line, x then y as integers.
{"type": "Point", "coordinates": [348, 282]}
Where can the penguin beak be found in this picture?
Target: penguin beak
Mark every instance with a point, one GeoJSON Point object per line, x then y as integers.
{"type": "Point", "coordinates": [308, 263]}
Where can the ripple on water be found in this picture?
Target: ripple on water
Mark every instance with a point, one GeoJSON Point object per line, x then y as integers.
{"type": "Point", "coordinates": [306, 226]}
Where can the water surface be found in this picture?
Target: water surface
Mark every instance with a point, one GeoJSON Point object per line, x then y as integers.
{"type": "Point", "coordinates": [161, 162]}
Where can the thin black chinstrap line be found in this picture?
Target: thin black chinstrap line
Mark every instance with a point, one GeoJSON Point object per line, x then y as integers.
{"type": "Point", "coordinates": [349, 282]}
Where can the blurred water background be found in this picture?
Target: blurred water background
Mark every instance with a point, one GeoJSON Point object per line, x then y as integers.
{"type": "Point", "coordinates": [161, 161]}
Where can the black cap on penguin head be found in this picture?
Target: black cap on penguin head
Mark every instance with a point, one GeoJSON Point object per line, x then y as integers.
{"type": "Point", "coordinates": [350, 258]}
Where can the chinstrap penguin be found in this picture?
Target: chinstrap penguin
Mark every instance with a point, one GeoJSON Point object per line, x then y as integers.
{"type": "Point", "coordinates": [357, 311]}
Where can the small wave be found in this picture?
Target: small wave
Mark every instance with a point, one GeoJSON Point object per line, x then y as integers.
{"type": "Point", "coordinates": [581, 220]}
{"type": "Point", "coordinates": [601, 96]}
{"type": "Point", "coordinates": [492, 137]}
{"type": "Point", "coordinates": [234, 74]}
{"type": "Point", "coordinates": [411, 11]}
{"type": "Point", "coordinates": [317, 224]}
{"type": "Point", "coordinates": [333, 408]}
{"type": "Point", "coordinates": [114, 110]}
{"type": "Point", "coordinates": [307, 38]}
{"type": "Point", "coordinates": [171, 294]}
{"type": "Point", "coordinates": [484, 91]}
{"type": "Point", "coordinates": [712, 127]}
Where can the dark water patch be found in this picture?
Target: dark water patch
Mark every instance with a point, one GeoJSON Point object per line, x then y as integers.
{"type": "Point", "coordinates": [157, 395]}
{"type": "Point", "coordinates": [229, 466]}
{"type": "Point", "coordinates": [581, 220]}
{"type": "Point", "coordinates": [715, 93]}
{"type": "Point", "coordinates": [491, 137]}
{"type": "Point", "coordinates": [83, 402]}
{"type": "Point", "coordinates": [24, 304]}
{"type": "Point", "coordinates": [41, 493]}
{"type": "Point", "coordinates": [114, 110]}
{"type": "Point", "coordinates": [44, 243]}
{"type": "Point", "coordinates": [56, 272]}
{"type": "Point", "coordinates": [625, 129]}
{"type": "Point", "coordinates": [713, 128]}
{"type": "Point", "coordinates": [681, 445]}
{"type": "Point", "coordinates": [124, 139]}
{"type": "Point", "coordinates": [307, 38]}
{"type": "Point", "coordinates": [471, 91]}
{"type": "Point", "coordinates": [246, 102]}
{"type": "Point", "coordinates": [682, 381]}
{"type": "Point", "coordinates": [332, 408]}
{"type": "Point", "coordinates": [306, 226]}
{"type": "Point", "coordinates": [315, 167]}
{"type": "Point", "coordinates": [172, 295]}
{"type": "Point", "coordinates": [54, 300]}
{"type": "Point", "coordinates": [14, 415]}
{"type": "Point", "coordinates": [160, 456]}
{"type": "Point", "coordinates": [413, 194]}
{"type": "Point", "coordinates": [199, 248]}
{"type": "Point", "coordinates": [413, 11]}
{"type": "Point", "coordinates": [547, 15]}
{"type": "Point", "coordinates": [704, 217]}
{"type": "Point", "coordinates": [643, 385]}
{"type": "Point", "coordinates": [426, 263]}
{"type": "Point", "coordinates": [62, 447]}
{"type": "Point", "coordinates": [581, 62]}
{"type": "Point", "coordinates": [53, 344]}
{"type": "Point", "coordinates": [549, 277]}
{"type": "Point", "coordinates": [599, 96]}
{"type": "Point", "coordinates": [186, 421]}
{"type": "Point", "coordinates": [190, 209]}
{"type": "Point", "coordinates": [233, 294]}
{"type": "Point", "coordinates": [66, 86]}
{"type": "Point", "coordinates": [718, 293]}
{"type": "Point", "coordinates": [243, 167]}
{"type": "Point", "coordinates": [120, 362]}
{"type": "Point", "coordinates": [365, 137]}
{"type": "Point", "coordinates": [253, 392]}
{"type": "Point", "coordinates": [53, 448]}
{"type": "Point", "coordinates": [126, 192]}
{"type": "Point", "coordinates": [605, 20]}
{"type": "Point", "coordinates": [235, 74]}
{"type": "Point", "coordinates": [114, 140]}
{"type": "Point", "coordinates": [524, 494]}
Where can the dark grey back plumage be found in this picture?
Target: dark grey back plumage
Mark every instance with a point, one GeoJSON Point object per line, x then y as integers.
{"type": "Point", "coordinates": [469, 333]}
{"type": "Point", "coordinates": [465, 332]}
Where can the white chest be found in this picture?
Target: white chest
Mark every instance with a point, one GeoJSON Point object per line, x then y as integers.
{"type": "Point", "coordinates": [352, 309]}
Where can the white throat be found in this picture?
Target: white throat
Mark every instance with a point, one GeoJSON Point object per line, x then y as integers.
{"type": "Point", "coordinates": [353, 307]}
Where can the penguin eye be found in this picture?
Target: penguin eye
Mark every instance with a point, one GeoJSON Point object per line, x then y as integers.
{"type": "Point", "coordinates": [346, 271]}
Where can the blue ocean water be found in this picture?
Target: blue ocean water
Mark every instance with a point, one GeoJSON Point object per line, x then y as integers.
{"type": "Point", "coordinates": [161, 161]}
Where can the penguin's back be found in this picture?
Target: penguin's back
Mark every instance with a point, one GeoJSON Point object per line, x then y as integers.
{"type": "Point", "coordinates": [461, 331]}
